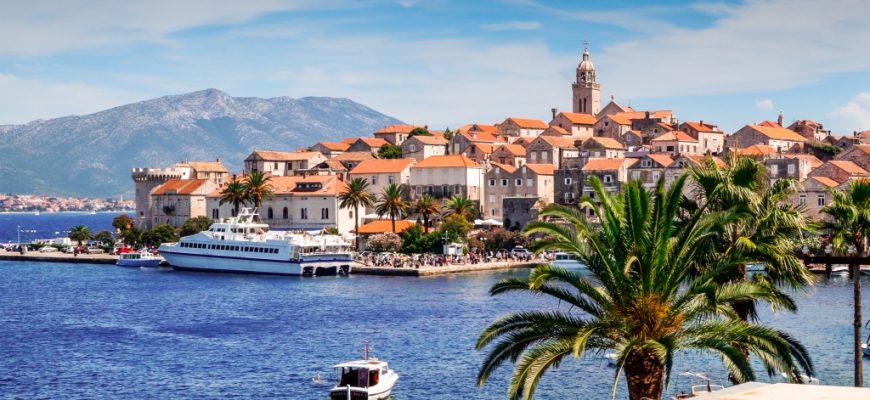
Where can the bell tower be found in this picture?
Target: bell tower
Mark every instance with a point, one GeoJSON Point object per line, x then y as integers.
{"type": "Point", "coordinates": [587, 90]}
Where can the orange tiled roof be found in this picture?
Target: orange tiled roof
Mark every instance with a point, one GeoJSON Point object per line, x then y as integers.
{"type": "Point", "coordinates": [770, 124]}
{"type": "Point", "coordinates": [778, 133]}
{"type": "Point", "coordinates": [528, 123]}
{"type": "Point", "coordinates": [522, 141]}
{"type": "Point", "coordinates": [179, 186]}
{"type": "Point", "coordinates": [556, 130]}
{"type": "Point", "coordinates": [663, 159]}
{"type": "Point", "coordinates": [335, 146]}
{"type": "Point", "coordinates": [372, 142]}
{"type": "Point", "coordinates": [542, 169]}
{"type": "Point", "coordinates": [579, 118]}
{"type": "Point", "coordinates": [433, 140]}
{"type": "Point", "coordinates": [385, 225]}
{"type": "Point", "coordinates": [514, 149]}
{"type": "Point", "coordinates": [349, 140]}
{"type": "Point", "coordinates": [702, 127]}
{"type": "Point", "coordinates": [603, 164]}
{"type": "Point", "coordinates": [679, 136]}
{"type": "Point", "coordinates": [814, 161]}
{"type": "Point", "coordinates": [558, 142]}
{"type": "Point", "coordinates": [378, 166]}
{"type": "Point", "coordinates": [756, 150]}
{"type": "Point", "coordinates": [399, 128]}
{"type": "Point", "coordinates": [485, 148]}
{"type": "Point", "coordinates": [479, 136]}
{"type": "Point", "coordinates": [619, 119]}
{"type": "Point", "coordinates": [204, 166]}
{"type": "Point", "coordinates": [491, 129]}
{"type": "Point", "coordinates": [848, 166]}
{"type": "Point", "coordinates": [450, 161]}
{"type": "Point", "coordinates": [824, 180]}
{"type": "Point", "coordinates": [505, 167]}
{"type": "Point", "coordinates": [607, 143]}
{"type": "Point", "coordinates": [269, 155]}
{"type": "Point", "coordinates": [353, 156]}
{"type": "Point", "coordinates": [330, 185]}
{"type": "Point", "coordinates": [630, 115]}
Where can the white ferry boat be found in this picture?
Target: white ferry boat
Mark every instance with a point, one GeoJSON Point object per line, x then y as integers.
{"type": "Point", "coordinates": [243, 245]}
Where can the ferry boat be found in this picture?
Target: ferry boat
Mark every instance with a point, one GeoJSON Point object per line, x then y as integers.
{"type": "Point", "coordinates": [567, 261]}
{"type": "Point", "coordinates": [366, 379]}
{"type": "Point", "coordinates": [139, 259]}
{"type": "Point", "coordinates": [242, 244]}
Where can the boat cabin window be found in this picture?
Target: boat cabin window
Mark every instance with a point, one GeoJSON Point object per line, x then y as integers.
{"type": "Point", "coordinates": [354, 377]}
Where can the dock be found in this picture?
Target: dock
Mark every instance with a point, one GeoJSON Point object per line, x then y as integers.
{"type": "Point", "coordinates": [359, 269]}
{"type": "Point", "coordinates": [59, 257]}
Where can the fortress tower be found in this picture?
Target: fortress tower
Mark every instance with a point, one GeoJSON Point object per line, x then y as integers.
{"type": "Point", "coordinates": [148, 179]}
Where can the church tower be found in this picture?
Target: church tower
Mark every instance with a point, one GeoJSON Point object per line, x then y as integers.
{"type": "Point", "coordinates": [587, 91]}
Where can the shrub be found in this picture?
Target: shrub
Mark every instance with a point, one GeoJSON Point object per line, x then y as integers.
{"type": "Point", "coordinates": [384, 242]}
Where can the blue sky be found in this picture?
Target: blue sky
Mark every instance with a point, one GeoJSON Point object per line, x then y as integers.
{"type": "Point", "coordinates": [445, 63]}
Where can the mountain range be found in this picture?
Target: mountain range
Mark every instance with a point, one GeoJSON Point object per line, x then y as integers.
{"type": "Point", "coordinates": [91, 155]}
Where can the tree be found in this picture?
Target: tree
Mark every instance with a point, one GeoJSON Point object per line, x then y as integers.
{"type": "Point", "coordinates": [419, 131]}
{"type": "Point", "coordinates": [132, 237]}
{"type": "Point", "coordinates": [849, 226]}
{"type": "Point", "coordinates": [641, 300]}
{"type": "Point", "coordinates": [390, 151]}
{"type": "Point", "coordinates": [448, 134]}
{"type": "Point", "coordinates": [80, 233]}
{"type": "Point", "coordinates": [163, 233]}
{"type": "Point", "coordinates": [236, 194]}
{"type": "Point", "coordinates": [388, 242]}
{"type": "Point", "coordinates": [105, 238]}
{"type": "Point", "coordinates": [392, 202]}
{"type": "Point", "coordinates": [425, 206]}
{"type": "Point", "coordinates": [454, 228]}
{"type": "Point", "coordinates": [356, 196]}
{"type": "Point", "coordinates": [414, 241]}
{"type": "Point", "coordinates": [122, 223]}
{"type": "Point", "coordinates": [461, 206]}
{"type": "Point", "coordinates": [258, 187]}
{"type": "Point", "coordinates": [195, 225]}
{"type": "Point", "coordinates": [502, 239]}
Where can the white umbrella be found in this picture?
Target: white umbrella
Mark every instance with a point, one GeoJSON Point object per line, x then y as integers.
{"type": "Point", "coordinates": [491, 222]}
{"type": "Point", "coordinates": [478, 222]}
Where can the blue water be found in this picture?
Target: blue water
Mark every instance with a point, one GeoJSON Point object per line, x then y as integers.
{"type": "Point", "coordinates": [50, 225]}
{"type": "Point", "coordinates": [101, 331]}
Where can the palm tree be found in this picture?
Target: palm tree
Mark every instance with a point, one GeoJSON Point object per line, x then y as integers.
{"type": "Point", "coordinates": [462, 206]}
{"type": "Point", "coordinates": [425, 206]}
{"type": "Point", "coordinates": [258, 188]}
{"type": "Point", "coordinates": [640, 301]}
{"type": "Point", "coordinates": [236, 194]}
{"type": "Point", "coordinates": [80, 233]}
{"type": "Point", "coordinates": [392, 202]}
{"type": "Point", "coordinates": [849, 225]}
{"type": "Point", "coordinates": [356, 196]}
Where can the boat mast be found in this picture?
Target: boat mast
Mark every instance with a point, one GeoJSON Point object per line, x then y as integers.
{"type": "Point", "coordinates": [366, 349]}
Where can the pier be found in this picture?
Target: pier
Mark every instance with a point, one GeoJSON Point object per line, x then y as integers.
{"type": "Point", "coordinates": [59, 257]}
{"type": "Point", "coordinates": [360, 269]}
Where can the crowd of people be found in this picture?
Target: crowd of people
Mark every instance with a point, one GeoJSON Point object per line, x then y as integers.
{"type": "Point", "coordinates": [397, 260]}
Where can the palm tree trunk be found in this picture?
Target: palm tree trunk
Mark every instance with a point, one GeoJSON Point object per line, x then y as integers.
{"type": "Point", "coordinates": [425, 223]}
{"type": "Point", "coordinates": [644, 373]}
{"type": "Point", "coordinates": [393, 220]}
{"type": "Point", "coordinates": [356, 227]}
{"type": "Point", "coordinates": [856, 280]}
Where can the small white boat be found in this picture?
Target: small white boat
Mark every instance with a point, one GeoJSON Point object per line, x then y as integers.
{"type": "Point", "coordinates": [698, 390]}
{"type": "Point", "coordinates": [366, 379]}
{"type": "Point", "coordinates": [807, 380]}
{"type": "Point", "coordinates": [612, 359]}
{"type": "Point", "coordinates": [839, 270]}
{"type": "Point", "coordinates": [139, 259]}
{"type": "Point", "coordinates": [567, 261]}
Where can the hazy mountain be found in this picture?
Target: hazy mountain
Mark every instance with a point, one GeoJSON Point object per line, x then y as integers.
{"type": "Point", "coordinates": [91, 155]}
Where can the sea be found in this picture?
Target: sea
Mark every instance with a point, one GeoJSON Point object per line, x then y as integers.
{"type": "Point", "coordinates": [83, 331]}
{"type": "Point", "coordinates": [50, 225]}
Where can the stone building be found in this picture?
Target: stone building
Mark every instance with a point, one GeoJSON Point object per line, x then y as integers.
{"type": "Point", "coordinates": [422, 147]}
{"type": "Point", "coordinates": [371, 145]}
{"type": "Point", "coordinates": [446, 176]}
{"type": "Point", "coordinates": [767, 133]}
{"type": "Point", "coordinates": [503, 181]}
{"type": "Point", "coordinates": [551, 150]}
{"type": "Point", "coordinates": [809, 129]}
{"type": "Point", "coordinates": [649, 169]}
{"type": "Point", "coordinates": [519, 211]}
{"type": "Point", "coordinates": [381, 173]}
{"type": "Point", "coordinates": [282, 163]}
{"type": "Point", "coordinates": [578, 125]}
{"type": "Point", "coordinates": [710, 138]}
{"type": "Point", "coordinates": [586, 89]}
{"type": "Point", "coordinates": [394, 134]}
{"type": "Point", "coordinates": [521, 127]}
{"type": "Point", "coordinates": [675, 142]}
{"type": "Point", "coordinates": [330, 149]}
{"type": "Point", "coordinates": [146, 180]}
{"type": "Point", "coordinates": [178, 200]}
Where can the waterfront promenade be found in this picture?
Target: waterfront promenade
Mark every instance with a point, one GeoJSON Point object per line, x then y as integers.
{"type": "Point", "coordinates": [58, 257]}
{"type": "Point", "coordinates": [428, 270]}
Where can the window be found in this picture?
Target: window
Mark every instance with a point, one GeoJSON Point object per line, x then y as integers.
{"type": "Point", "coordinates": [543, 156]}
{"type": "Point", "coordinates": [774, 169]}
{"type": "Point", "coordinates": [286, 213]}
{"type": "Point", "coordinates": [492, 182]}
{"type": "Point", "coordinates": [670, 148]}
{"type": "Point", "coordinates": [391, 179]}
{"type": "Point", "coordinates": [532, 156]}
{"type": "Point", "coordinates": [303, 213]}
{"type": "Point", "coordinates": [656, 175]}
{"type": "Point", "coordinates": [608, 179]}
{"type": "Point", "coordinates": [646, 163]}
{"type": "Point", "coordinates": [504, 182]}
{"type": "Point", "coordinates": [518, 182]}
{"type": "Point", "coordinates": [568, 181]}
{"type": "Point", "coordinates": [635, 175]}
{"type": "Point", "coordinates": [790, 169]}
{"type": "Point", "coordinates": [569, 195]}
{"type": "Point", "coordinates": [820, 200]}
{"type": "Point", "coordinates": [324, 213]}
{"type": "Point", "coordinates": [374, 180]}
{"type": "Point", "coordinates": [530, 182]}
{"type": "Point", "coordinates": [275, 167]}
{"type": "Point", "coordinates": [802, 200]}
{"type": "Point", "coordinates": [492, 212]}
{"type": "Point", "coordinates": [270, 214]}
{"type": "Point", "coordinates": [492, 198]}
{"type": "Point", "coordinates": [412, 148]}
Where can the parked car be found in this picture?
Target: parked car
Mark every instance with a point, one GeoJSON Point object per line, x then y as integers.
{"type": "Point", "coordinates": [520, 251]}
{"type": "Point", "coordinates": [69, 249]}
{"type": "Point", "coordinates": [95, 250]}
{"type": "Point", "coordinates": [48, 249]}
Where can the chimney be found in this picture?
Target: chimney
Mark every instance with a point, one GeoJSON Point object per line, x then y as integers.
{"type": "Point", "coordinates": [701, 122]}
{"type": "Point", "coordinates": [647, 115]}
{"type": "Point", "coordinates": [553, 111]}
{"type": "Point", "coordinates": [779, 119]}
{"type": "Point", "coordinates": [217, 160]}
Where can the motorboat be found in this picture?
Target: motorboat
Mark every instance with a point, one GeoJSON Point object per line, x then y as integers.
{"type": "Point", "coordinates": [366, 379]}
{"type": "Point", "coordinates": [698, 390]}
{"type": "Point", "coordinates": [805, 379]}
{"type": "Point", "coordinates": [567, 261]}
{"type": "Point", "coordinates": [139, 259]}
{"type": "Point", "coordinates": [612, 359]}
{"type": "Point", "coordinates": [839, 270]}
{"type": "Point", "coordinates": [243, 244]}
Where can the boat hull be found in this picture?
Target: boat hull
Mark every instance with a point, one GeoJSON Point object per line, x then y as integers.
{"type": "Point", "coordinates": [210, 263]}
{"type": "Point", "coordinates": [149, 263]}
{"type": "Point", "coordinates": [359, 394]}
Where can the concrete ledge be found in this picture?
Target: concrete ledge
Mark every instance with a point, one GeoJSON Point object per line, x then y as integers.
{"type": "Point", "coordinates": [60, 258]}
{"type": "Point", "coordinates": [436, 271]}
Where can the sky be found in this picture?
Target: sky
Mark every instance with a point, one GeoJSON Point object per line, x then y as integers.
{"type": "Point", "coordinates": [445, 63]}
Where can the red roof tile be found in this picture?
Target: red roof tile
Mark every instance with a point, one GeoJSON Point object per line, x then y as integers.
{"type": "Point", "coordinates": [528, 123]}
{"type": "Point", "coordinates": [604, 164]}
{"type": "Point", "coordinates": [382, 166]}
{"type": "Point", "coordinates": [675, 136]}
{"type": "Point", "coordinates": [824, 180]}
{"type": "Point", "coordinates": [389, 129]}
{"type": "Point", "coordinates": [385, 225]}
{"type": "Point", "coordinates": [542, 169]}
{"type": "Point", "coordinates": [179, 186]}
{"type": "Point", "coordinates": [848, 166]}
{"type": "Point", "coordinates": [579, 118]}
{"type": "Point", "coordinates": [449, 161]}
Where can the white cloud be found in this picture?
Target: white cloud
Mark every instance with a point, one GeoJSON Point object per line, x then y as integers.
{"type": "Point", "coordinates": [45, 27]}
{"type": "Point", "coordinates": [25, 100]}
{"type": "Point", "coordinates": [854, 116]}
{"type": "Point", "coordinates": [513, 26]}
{"type": "Point", "coordinates": [752, 47]}
{"type": "Point", "coordinates": [764, 105]}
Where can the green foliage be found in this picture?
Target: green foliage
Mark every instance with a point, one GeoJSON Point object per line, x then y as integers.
{"type": "Point", "coordinates": [258, 187]}
{"type": "Point", "coordinates": [461, 206]}
{"type": "Point", "coordinates": [849, 217]}
{"type": "Point", "coordinates": [80, 233]}
{"type": "Point", "coordinates": [195, 225]}
{"type": "Point", "coordinates": [163, 233]}
{"type": "Point", "coordinates": [236, 194]}
{"type": "Point", "coordinates": [641, 299]}
{"type": "Point", "coordinates": [448, 134]}
{"type": "Point", "coordinates": [827, 148]}
{"type": "Point", "coordinates": [332, 230]}
{"type": "Point", "coordinates": [501, 239]}
{"type": "Point", "coordinates": [355, 196]}
{"type": "Point", "coordinates": [122, 223]}
{"type": "Point", "coordinates": [414, 241]}
{"type": "Point", "coordinates": [390, 151]}
{"type": "Point", "coordinates": [105, 237]}
{"type": "Point", "coordinates": [389, 242]}
{"type": "Point", "coordinates": [455, 228]}
{"type": "Point", "coordinates": [425, 207]}
{"type": "Point", "coordinates": [132, 237]}
{"type": "Point", "coordinates": [392, 202]}
{"type": "Point", "coordinates": [420, 131]}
